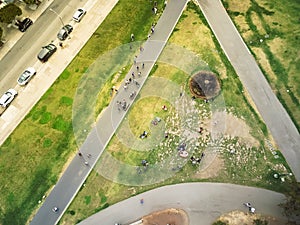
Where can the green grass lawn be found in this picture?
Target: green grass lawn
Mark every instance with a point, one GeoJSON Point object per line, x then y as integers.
{"type": "Point", "coordinates": [271, 31]}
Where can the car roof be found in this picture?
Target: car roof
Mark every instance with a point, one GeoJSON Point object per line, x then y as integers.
{"type": "Point", "coordinates": [26, 20]}
{"type": "Point", "coordinates": [62, 31]}
{"type": "Point", "coordinates": [43, 52]}
{"type": "Point", "coordinates": [6, 96]}
{"type": "Point", "coordinates": [78, 12]}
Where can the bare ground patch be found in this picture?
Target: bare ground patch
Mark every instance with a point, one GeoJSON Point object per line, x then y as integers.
{"type": "Point", "coordinates": [168, 216]}
{"type": "Point", "coordinates": [229, 125]}
{"type": "Point", "coordinates": [242, 218]}
{"type": "Point", "coordinates": [209, 169]}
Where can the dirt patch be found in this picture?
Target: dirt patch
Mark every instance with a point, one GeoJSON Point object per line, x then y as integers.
{"type": "Point", "coordinates": [242, 218]}
{"type": "Point", "coordinates": [167, 216]}
{"type": "Point", "coordinates": [205, 85]}
{"type": "Point", "coordinates": [231, 126]}
{"type": "Point", "coordinates": [212, 170]}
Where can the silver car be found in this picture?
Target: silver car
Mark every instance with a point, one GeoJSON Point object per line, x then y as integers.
{"type": "Point", "coordinates": [8, 97]}
{"type": "Point", "coordinates": [26, 76]}
{"type": "Point", "coordinates": [64, 32]}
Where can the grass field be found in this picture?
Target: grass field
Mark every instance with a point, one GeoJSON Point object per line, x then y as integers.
{"type": "Point", "coordinates": [253, 166]}
{"type": "Point", "coordinates": [35, 154]}
{"type": "Point", "coordinates": [33, 157]}
{"type": "Point", "coordinates": [271, 31]}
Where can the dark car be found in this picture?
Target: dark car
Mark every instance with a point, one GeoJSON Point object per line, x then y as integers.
{"type": "Point", "coordinates": [64, 32]}
{"type": "Point", "coordinates": [23, 26]}
{"type": "Point", "coordinates": [46, 52]}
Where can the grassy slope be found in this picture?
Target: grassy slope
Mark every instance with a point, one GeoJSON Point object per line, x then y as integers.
{"type": "Point", "coordinates": [271, 30]}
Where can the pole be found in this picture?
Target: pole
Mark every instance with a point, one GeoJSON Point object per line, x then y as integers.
{"type": "Point", "coordinates": [58, 16]}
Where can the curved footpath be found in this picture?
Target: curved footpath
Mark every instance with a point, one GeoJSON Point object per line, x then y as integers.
{"type": "Point", "coordinates": [273, 113]}
{"type": "Point", "coordinates": [203, 202]}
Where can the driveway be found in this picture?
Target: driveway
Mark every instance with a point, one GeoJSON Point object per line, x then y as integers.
{"type": "Point", "coordinates": [204, 203]}
{"type": "Point", "coordinates": [273, 113]}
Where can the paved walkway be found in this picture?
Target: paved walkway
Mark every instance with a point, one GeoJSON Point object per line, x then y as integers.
{"type": "Point", "coordinates": [204, 203]}
{"type": "Point", "coordinates": [273, 113]}
{"type": "Point", "coordinates": [77, 172]}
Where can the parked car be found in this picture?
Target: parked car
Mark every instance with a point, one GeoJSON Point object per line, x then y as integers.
{"type": "Point", "coordinates": [64, 32]}
{"type": "Point", "coordinates": [23, 25]}
{"type": "Point", "coordinates": [8, 97]}
{"type": "Point", "coordinates": [79, 14]}
{"type": "Point", "coordinates": [46, 52]}
{"type": "Point", "coordinates": [26, 76]}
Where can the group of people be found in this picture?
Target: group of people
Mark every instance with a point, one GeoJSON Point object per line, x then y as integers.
{"type": "Point", "coordinates": [195, 160]}
{"type": "Point", "coordinates": [122, 105]}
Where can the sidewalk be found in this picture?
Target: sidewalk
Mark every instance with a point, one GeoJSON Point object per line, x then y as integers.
{"type": "Point", "coordinates": [77, 172]}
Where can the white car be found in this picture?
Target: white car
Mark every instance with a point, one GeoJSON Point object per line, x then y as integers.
{"type": "Point", "coordinates": [26, 76]}
{"type": "Point", "coordinates": [79, 14]}
{"type": "Point", "coordinates": [55, 209]}
{"type": "Point", "coordinates": [8, 97]}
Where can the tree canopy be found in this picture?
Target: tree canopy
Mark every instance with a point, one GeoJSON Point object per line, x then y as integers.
{"type": "Point", "coordinates": [9, 12]}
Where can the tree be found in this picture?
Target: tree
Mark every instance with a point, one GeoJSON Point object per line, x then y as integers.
{"type": "Point", "coordinates": [9, 12]}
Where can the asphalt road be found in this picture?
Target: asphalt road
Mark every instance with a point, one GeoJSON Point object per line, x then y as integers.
{"type": "Point", "coordinates": [76, 173]}
{"type": "Point", "coordinates": [273, 113]}
{"type": "Point", "coordinates": [203, 202]}
{"type": "Point", "coordinates": [44, 30]}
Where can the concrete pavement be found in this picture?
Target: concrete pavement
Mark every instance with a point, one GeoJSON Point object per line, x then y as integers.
{"type": "Point", "coordinates": [204, 203]}
{"type": "Point", "coordinates": [273, 113]}
{"type": "Point", "coordinates": [74, 176]}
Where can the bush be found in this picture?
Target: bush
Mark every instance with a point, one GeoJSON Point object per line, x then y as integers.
{"type": "Point", "coordinates": [260, 222]}
{"type": "Point", "coordinates": [219, 222]}
{"type": "Point", "coordinates": [9, 12]}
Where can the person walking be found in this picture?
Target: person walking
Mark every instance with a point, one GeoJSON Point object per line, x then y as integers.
{"type": "Point", "coordinates": [132, 37]}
